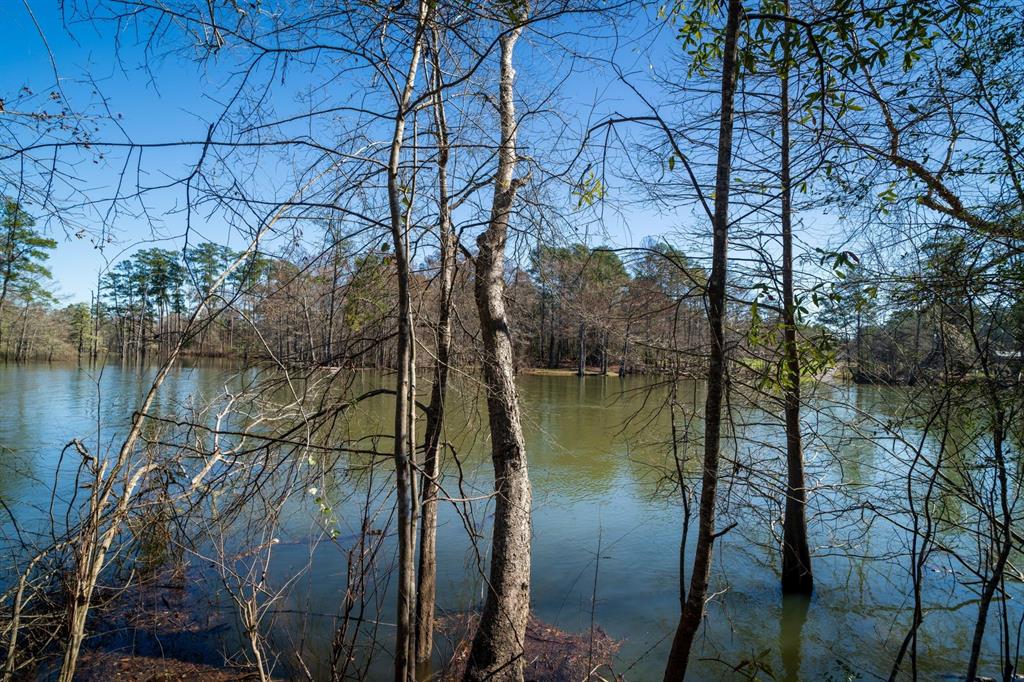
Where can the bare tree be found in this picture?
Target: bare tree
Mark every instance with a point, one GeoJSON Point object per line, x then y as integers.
{"type": "Point", "coordinates": [497, 651]}
{"type": "Point", "coordinates": [427, 577]}
{"type": "Point", "coordinates": [404, 438]}
{"type": "Point", "coordinates": [693, 606]}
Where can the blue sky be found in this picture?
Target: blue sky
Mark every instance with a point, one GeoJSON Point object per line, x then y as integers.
{"type": "Point", "coordinates": [172, 99]}
{"type": "Point", "coordinates": [168, 100]}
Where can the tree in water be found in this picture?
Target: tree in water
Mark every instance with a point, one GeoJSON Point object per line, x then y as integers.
{"type": "Point", "coordinates": [693, 605]}
{"type": "Point", "coordinates": [426, 586]}
{"type": "Point", "coordinates": [797, 577]}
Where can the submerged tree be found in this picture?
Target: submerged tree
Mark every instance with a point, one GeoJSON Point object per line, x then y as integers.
{"type": "Point", "coordinates": [797, 577]}
{"type": "Point", "coordinates": [693, 603]}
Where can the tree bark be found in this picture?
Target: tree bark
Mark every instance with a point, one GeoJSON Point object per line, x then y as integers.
{"type": "Point", "coordinates": [404, 637]}
{"type": "Point", "coordinates": [497, 650]}
{"type": "Point", "coordinates": [1003, 544]}
{"type": "Point", "coordinates": [693, 607]}
{"type": "Point", "coordinates": [796, 555]}
{"type": "Point", "coordinates": [581, 365]}
{"type": "Point", "coordinates": [426, 592]}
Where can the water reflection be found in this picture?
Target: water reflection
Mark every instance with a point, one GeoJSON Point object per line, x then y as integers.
{"type": "Point", "coordinates": [598, 448]}
{"type": "Point", "coordinates": [791, 628]}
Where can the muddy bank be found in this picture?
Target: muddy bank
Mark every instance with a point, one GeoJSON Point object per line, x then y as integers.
{"type": "Point", "coordinates": [167, 628]}
{"type": "Point", "coordinates": [552, 655]}
{"type": "Point", "coordinates": [102, 666]}
{"type": "Point", "coordinates": [171, 629]}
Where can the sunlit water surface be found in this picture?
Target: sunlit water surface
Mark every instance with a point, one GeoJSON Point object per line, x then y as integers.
{"type": "Point", "coordinates": [606, 525]}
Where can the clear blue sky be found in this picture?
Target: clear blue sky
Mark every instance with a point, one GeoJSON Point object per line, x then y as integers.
{"type": "Point", "coordinates": [166, 102]}
{"type": "Point", "coordinates": [172, 99]}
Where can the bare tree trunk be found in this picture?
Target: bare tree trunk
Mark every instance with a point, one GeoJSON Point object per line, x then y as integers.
{"type": "Point", "coordinates": [94, 353]}
{"type": "Point", "coordinates": [497, 650]}
{"type": "Point", "coordinates": [796, 555]}
{"type": "Point", "coordinates": [693, 607]}
{"type": "Point", "coordinates": [543, 320]}
{"type": "Point", "coordinates": [19, 351]}
{"type": "Point", "coordinates": [581, 365]}
{"type": "Point", "coordinates": [859, 377]}
{"type": "Point", "coordinates": [604, 352]}
{"type": "Point", "coordinates": [329, 340]}
{"type": "Point", "coordinates": [404, 636]}
{"type": "Point", "coordinates": [1003, 544]}
{"type": "Point", "coordinates": [426, 591]}
{"type": "Point", "coordinates": [625, 348]}
{"type": "Point", "coordinates": [8, 276]}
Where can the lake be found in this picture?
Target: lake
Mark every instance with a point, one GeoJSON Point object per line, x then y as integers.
{"type": "Point", "coordinates": [606, 520]}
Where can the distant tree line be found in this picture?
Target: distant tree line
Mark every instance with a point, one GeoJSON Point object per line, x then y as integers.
{"type": "Point", "coordinates": [573, 307]}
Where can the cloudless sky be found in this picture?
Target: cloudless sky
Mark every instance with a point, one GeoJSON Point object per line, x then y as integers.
{"type": "Point", "coordinates": [165, 100]}
{"type": "Point", "coordinates": [172, 99]}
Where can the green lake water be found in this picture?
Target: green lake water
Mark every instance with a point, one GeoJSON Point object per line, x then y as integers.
{"type": "Point", "coordinates": [606, 523]}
